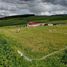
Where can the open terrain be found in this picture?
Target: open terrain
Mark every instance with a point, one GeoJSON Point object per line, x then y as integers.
{"type": "Point", "coordinates": [44, 46]}
{"type": "Point", "coordinates": [34, 43]}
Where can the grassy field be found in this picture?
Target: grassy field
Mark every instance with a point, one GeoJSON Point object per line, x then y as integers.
{"type": "Point", "coordinates": [33, 44]}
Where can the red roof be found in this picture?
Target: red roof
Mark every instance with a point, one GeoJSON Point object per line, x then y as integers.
{"type": "Point", "coordinates": [32, 23]}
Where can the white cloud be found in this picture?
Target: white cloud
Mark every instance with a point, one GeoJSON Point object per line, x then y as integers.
{"type": "Point", "coordinates": [38, 7]}
{"type": "Point", "coordinates": [8, 9]}
{"type": "Point", "coordinates": [46, 8]}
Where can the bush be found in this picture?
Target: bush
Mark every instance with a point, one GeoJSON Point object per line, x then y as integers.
{"type": "Point", "coordinates": [64, 58]}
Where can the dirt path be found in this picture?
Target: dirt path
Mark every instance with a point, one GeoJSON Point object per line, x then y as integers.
{"type": "Point", "coordinates": [55, 52]}
{"type": "Point", "coordinates": [25, 57]}
{"type": "Point", "coordinates": [42, 58]}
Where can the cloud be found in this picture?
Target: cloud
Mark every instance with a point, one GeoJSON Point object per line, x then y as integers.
{"type": "Point", "coordinates": [61, 2]}
{"type": "Point", "coordinates": [8, 8]}
{"type": "Point", "coordinates": [48, 7]}
{"type": "Point", "coordinates": [38, 7]}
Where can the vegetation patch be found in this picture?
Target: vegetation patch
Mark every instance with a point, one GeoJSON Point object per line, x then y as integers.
{"type": "Point", "coordinates": [19, 48]}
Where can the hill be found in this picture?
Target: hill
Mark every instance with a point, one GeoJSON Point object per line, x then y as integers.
{"type": "Point", "coordinates": [24, 19]}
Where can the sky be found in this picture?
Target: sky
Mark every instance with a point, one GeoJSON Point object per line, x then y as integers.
{"type": "Point", "coordinates": [37, 7]}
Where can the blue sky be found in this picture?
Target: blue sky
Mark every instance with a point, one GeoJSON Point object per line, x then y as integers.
{"type": "Point", "coordinates": [38, 7]}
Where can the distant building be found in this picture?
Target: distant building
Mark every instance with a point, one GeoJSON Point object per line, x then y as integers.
{"type": "Point", "coordinates": [34, 24]}
{"type": "Point", "coordinates": [50, 24]}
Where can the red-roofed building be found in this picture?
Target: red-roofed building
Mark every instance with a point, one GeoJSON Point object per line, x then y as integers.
{"type": "Point", "coordinates": [35, 24]}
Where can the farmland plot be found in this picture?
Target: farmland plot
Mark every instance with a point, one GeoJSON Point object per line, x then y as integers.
{"type": "Point", "coordinates": [30, 44]}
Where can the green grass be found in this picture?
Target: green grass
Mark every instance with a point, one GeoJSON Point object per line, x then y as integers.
{"type": "Point", "coordinates": [34, 43]}
{"type": "Point", "coordinates": [23, 20]}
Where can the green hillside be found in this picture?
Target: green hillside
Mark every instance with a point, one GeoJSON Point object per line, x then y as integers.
{"type": "Point", "coordinates": [33, 43]}
{"type": "Point", "coordinates": [24, 19]}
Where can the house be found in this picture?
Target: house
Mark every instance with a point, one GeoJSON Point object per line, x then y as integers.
{"type": "Point", "coordinates": [50, 24]}
{"type": "Point", "coordinates": [35, 24]}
